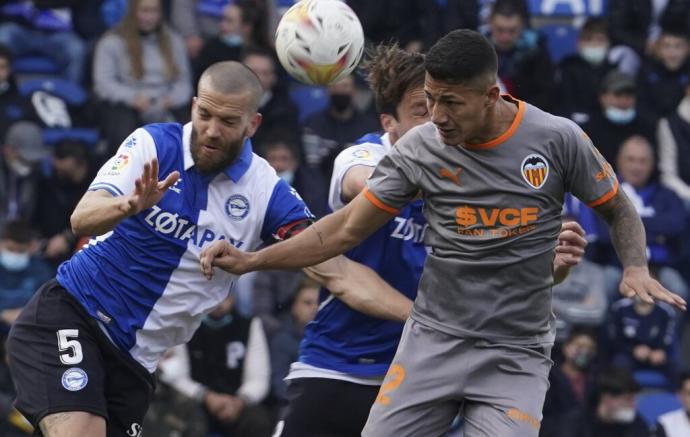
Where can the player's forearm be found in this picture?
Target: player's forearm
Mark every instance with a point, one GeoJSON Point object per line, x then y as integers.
{"type": "Point", "coordinates": [627, 231]}
{"type": "Point", "coordinates": [361, 288]}
{"type": "Point", "coordinates": [97, 213]}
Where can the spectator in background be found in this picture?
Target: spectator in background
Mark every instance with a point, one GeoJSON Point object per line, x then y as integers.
{"type": "Point", "coordinates": [273, 292]}
{"type": "Point", "coordinates": [13, 107]}
{"type": "Point", "coordinates": [618, 117]}
{"type": "Point", "coordinates": [141, 73]}
{"type": "Point", "coordinates": [30, 28]}
{"type": "Point", "coordinates": [640, 335]}
{"type": "Point", "coordinates": [579, 75]}
{"type": "Point", "coordinates": [327, 132]}
{"type": "Point", "coordinates": [58, 195]}
{"type": "Point", "coordinates": [660, 209]}
{"type": "Point", "coordinates": [225, 367]}
{"type": "Point", "coordinates": [441, 16]}
{"type": "Point", "coordinates": [278, 111]}
{"type": "Point", "coordinates": [21, 273]}
{"type": "Point", "coordinates": [613, 411]}
{"type": "Point", "coordinates": [285, 343]}
{"type": "Point", "coordinates": [385, 20]}
{"type": "Point", "coordinates": [570, 381]}
{"type": "Point", "coordinates": [237, 30]}
{"type": "Point", "coordinates": [664, 75]}
{"type": "Point", "coordinates": [677, 423]}
{"type": "Point", "coordinates": [673, 136]}
{"type": "Point", "coordinates": [22, 152]}
{"type": "Point", "coordinates": [524, 65]}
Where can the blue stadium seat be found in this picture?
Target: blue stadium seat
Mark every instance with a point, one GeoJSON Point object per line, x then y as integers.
{"type": "Point", "coordinates": [567, 8]}
{"type": "Point", "coordinates": [652, 379]}
{"type": "Point", "coordinates": [561, 40]}
{"type": "Point", "coordinates": [309, 99]}
{"type": "Point", "coordinates": [87, 136]}
{"type": "Point", "coordinates": [652, 405]}
{"type": "Point", "coordinates": [70, 92]}
{"type": "Point", "coordinates": [35, 65]}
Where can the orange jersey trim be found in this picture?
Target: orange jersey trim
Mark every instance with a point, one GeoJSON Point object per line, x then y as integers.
{"type": "Point", "coordinates": [508, 133]}
{"type": "Point", "coordinates": [606, 197]}
{"type": "Point", "coordinates": [377, 203]}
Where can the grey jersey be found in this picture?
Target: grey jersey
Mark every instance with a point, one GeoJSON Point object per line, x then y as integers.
{"type": "Point", "coordinates": [494, 213]}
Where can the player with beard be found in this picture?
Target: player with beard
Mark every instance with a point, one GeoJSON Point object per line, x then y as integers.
{"type": "Point", "coordinates": [83, 352]}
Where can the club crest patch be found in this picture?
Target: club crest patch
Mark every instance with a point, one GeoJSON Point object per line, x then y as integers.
{"type": "Point", "coordinates": [535, 170]}
{"type": "Point", "coordinates": [74, 379]}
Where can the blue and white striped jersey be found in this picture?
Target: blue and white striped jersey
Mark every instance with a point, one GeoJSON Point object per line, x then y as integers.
{"type": "Point", "coordinates": [142, 280]}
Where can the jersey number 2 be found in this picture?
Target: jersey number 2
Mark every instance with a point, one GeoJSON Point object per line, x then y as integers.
{"type": "Point", "coordinates": [72, 348]}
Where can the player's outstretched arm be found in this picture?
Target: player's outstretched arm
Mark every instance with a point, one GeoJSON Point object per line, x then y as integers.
{"type": "Point", "coordinates": [332, 235]}
{"type": "Point", "coordinates": [629, 240]}
{"type": "Point", "coordinates": [569, 251]}
{"type": "Point", "coordinates": [361, 288]}
{"type": "Point", "coordinates": [99, 211]}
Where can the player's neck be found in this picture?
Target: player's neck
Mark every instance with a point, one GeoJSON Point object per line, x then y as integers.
{"type": "Point", "coordinates": [498, 122]}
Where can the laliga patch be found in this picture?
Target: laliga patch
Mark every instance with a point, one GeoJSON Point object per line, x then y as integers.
{"type": "Point", "coordinates": [74, 379]}
{"type": "Point", "coordinates": [535, 170]}
{"type": "Point", "coordinates": [237, 207]}
{"type": "Point", "coordinates": [361, 154]}
{"type": "Point", "coordinates": [120, 162]}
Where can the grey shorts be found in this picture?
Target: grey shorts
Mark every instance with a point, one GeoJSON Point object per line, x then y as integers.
{"type": "Point", "coordinates": [498, 388]}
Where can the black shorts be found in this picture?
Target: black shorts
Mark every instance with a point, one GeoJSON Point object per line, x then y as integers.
{"type": "Point", "coordinates": [321, 407]}
{"type": "Point", "coordinates": [61, 360]}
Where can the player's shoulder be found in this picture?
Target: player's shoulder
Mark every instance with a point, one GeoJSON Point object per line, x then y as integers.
{"type": "Point", "coordinates": [422, 135]}
{"type": "Point", "coordinates": [367, 153]}
{"type": "Point", "coordinates": [550, 126]}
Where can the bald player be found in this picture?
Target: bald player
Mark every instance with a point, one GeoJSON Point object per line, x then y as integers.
{"type": "Point", "coordinates": [493, 172]}
{"type": "Point", "coordinates": [83, 351]}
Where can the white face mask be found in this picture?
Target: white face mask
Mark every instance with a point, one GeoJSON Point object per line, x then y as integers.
{"type": "Point", "coordinates": [14, 261]}
{"type": "Point", "coordinates": [287, 175]}
{"type": "Point", "coordinates": [20, 168]}
{"type": "Point", "coordinates": [620, 116]}
{"type": "Point", "coordinates": [623, 415]}
{"type": "Point", "coordinates": [594, 54]}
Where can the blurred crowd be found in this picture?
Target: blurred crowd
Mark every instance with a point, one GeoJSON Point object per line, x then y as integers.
{"type": "Point", "coordinates": [77, 77]}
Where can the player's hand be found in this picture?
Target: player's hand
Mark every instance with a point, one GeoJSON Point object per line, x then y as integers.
{"type": "Point", "coordinates": [571, 245]}
{"type": "Point", "coordinates": [224, 255]}
{"type": "Point", "coordinates": [148, 190]}
{"type": "Point", "coordinates": [637, 282]}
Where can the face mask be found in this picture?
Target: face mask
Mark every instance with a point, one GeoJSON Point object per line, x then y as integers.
{"type": "Point", "coordinates": [594, 54]}
{"type": "Point", "coordinates": [623, 415]}
{"type": "Point", "coordinates": [582, 360]}
{"type": "Point", "coordinates": [14, 261]}
{"type": "Point", "coordinates": [20, 168]}
{"type": "Point", "coordinates": [340, 102]}
{"type": "Point", "coordinates": [217, 323]}
{"type": "Point", "coordinates": [287, 175]}
{"type": "Point", "coordinates": [620, 116]}
{"type": "Point", "coordinates": [232, 39]}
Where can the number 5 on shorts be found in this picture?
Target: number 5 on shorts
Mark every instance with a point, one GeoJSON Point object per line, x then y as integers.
{"type": "Point", "coordinates": [394, 377]}
{"type": "Point", "coordinates": [74, 354]}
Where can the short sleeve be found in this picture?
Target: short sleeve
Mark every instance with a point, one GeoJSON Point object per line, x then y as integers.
{"type": "Point", "coordinates": [366, 154]}
{"type": "Point", "coordinates": [285, 207]}
{"type": "Point", "coordinates": [119, 173]}
{"type": "Point", "coordinates": [393, 183]}
{"type": "Point", "coordinates": [588, 176]}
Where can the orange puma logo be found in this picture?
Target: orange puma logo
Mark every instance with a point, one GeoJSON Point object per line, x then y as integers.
{"type": "Point", "coordinates": [454, 177]}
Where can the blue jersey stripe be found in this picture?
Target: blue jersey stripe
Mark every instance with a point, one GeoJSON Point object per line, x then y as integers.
{"type": "Point", "coordinates": [108, 187]}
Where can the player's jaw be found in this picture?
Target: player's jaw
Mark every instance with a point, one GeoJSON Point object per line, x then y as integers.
{"type": "Point", "coordinates": [212, 155]}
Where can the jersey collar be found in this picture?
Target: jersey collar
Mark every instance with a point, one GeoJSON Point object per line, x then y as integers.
{"type": "Point", "coordinates": [234, 171]}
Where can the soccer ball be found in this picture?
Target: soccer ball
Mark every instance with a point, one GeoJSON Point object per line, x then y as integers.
{"type": "Point", "coordinates": [319, 41]}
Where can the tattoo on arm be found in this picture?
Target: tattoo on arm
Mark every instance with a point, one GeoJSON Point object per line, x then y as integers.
{"type": "Point", "coordinates": [626, 229]}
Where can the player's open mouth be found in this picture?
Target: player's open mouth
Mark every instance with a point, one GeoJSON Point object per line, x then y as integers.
{"type": "Point", "coordinates": [446, 132]}
{"type": "Point", "coordinates": [210, 147]}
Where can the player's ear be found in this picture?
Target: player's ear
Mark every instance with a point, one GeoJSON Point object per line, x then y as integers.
{"type": "Point", "coordinates": [254, 124]}
{"type": "Point", "coordinates": [492, 95]}
{"type": "Point", "coordinates": [388, 122]}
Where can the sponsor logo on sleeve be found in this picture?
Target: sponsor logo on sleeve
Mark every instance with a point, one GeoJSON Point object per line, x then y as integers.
{"type": "Point", "coordinates": [362, 154]}
{"type": "Point", "coordinates": [119, 164]}
{"type": "Point", "coordinates": [535, 170]}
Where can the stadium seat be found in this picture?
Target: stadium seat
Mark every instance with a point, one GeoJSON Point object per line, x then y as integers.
{"type": "Point", "coordinates": [309, 99]}
{"type": "Point", "coordinates": [567, 8]}
{"type": "Point", "coordinates": [652, 405]}
{"type": "Point", "coordinates": [652, 379]}
{"type": "Point", "coordinates": [35, 65]}
{"type": "Point", "coordinates": [562, 40]}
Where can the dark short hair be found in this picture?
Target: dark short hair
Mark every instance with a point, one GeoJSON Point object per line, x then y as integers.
{"type": "Point", "coordinates": [254, 50]}
{"type": "Point", "coordinates": [462, 56]}
{"type": "Point", "coordinates": [70, 148]}
{"type": "Point", "coordinates": [581, 330]}
{"type": "Point", "coordinates": [683, 377]}
{"type": "Point", "coordinates": [6, 53]}
{"type": "Point", "coordinates": [616, 381]}
{"type": "Point", "coordinates": [276, 139]}
{"type": "Point", "coordinates": [391, 72]}
{"type": "Point", "coordinates": [594, 25]}
{"type": "Point", "coordinates": [509, 8]}
{"type": "Point", "coordinates": [18, 231]}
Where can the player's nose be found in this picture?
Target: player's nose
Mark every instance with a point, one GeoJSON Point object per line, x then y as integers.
{"type": "Point", "coordinates": [438, 116]}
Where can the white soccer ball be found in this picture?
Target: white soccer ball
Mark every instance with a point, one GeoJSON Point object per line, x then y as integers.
{"type": "Point", "coordinates": [319, 41]}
